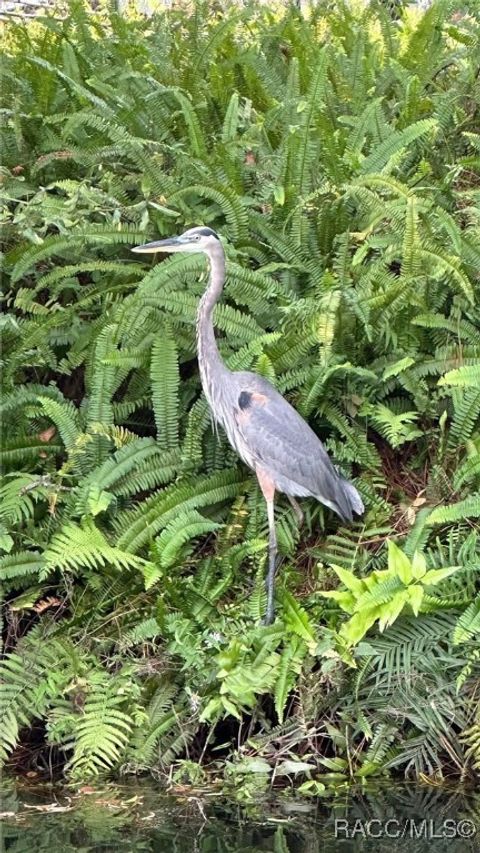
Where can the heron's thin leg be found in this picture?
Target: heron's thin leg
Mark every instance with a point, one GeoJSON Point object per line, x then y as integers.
{"type": "Point", "coordinates": [296, 508]}
{"type": "Point", "coordinates": [272, 558]}
{"type": "Point", "coordinates": [267, 486]}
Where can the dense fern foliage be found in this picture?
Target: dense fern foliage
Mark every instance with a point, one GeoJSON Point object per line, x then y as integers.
{"type": "Point", "coordinates": [337, 154]}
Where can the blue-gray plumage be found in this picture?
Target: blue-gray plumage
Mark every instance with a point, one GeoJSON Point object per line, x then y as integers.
{"type": "Point", "coordinates": [266, 431]}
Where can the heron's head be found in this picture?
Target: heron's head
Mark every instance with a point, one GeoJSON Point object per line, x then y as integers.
{"type": "Point", "coordinates": [200, 239]}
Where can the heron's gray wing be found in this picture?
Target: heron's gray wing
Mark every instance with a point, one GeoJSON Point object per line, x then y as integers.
{"type": "Point", "coordinates": [281, 442]}
{"type": "Point", "coordinates": [279, 438]}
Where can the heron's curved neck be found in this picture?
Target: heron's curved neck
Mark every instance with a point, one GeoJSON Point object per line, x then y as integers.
{"type": "Point", "coordinates": [209, 360]}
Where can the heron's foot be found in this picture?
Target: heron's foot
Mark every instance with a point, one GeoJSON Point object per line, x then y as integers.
{"type": "Point", "coordinates": [268, 619]}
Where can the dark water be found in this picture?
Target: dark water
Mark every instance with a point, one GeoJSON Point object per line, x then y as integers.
{"type": "Point", "coordinates": [141, 819]}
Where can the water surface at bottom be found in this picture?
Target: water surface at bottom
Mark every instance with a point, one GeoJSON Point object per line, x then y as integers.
{"type": "Point", "coordinates": [139, 818]}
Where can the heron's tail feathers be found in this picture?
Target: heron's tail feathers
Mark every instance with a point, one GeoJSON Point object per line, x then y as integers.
{"type": "Point", "coordinates": [352, 497]}
{"type": "Point", "coordinates": [345, 501]}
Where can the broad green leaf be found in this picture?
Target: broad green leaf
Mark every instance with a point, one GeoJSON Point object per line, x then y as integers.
{"type": "Point", "coordinates": [349, 580]}
{"type": "Point", "coordinates": [312, 788]}
{"type": "Point", "coordinates": [334, 763]}
{"type": "Point", "coordinates": [415, 597]}
{"type": "Point", "coordinates": [369, 768]}
{"type": "Point", "coordinates": [434, 576]}
{"type": "Point", "coordinates": [358, 625]}
{"type": "Point", "coordinates": [399, 562]}
{"type": "Point", "coordinates": [419, 565]}
{"type": "Point", "coordinates": [345, 599]}
{"type": "Point", "coordinates": [252, 764]}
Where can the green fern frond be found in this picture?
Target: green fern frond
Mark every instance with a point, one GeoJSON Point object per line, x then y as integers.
{"type": "Point", "coordinates": [102, 732]}
{"type": "Point", "coordinates": [26, 451]}
{"type": "Point", "coordinates": [394, 143]}
{"type": "Point", "coordinates": [185, 527]}
{"type": "Point", "coordinates": [84, 546]}
{"type": "Point", "coordinates": [467, 508]}
{"type": "Point", "coordinates": [140, 525]}
{"type": "Point", "coordinates": [290, 666]}
{"type": "Point", "coordinates": [468, 624]}
{"type": "Point", "coordinates": [467, 376]}
{"type": "Point", "coordinates": [65, 417]}
{"type": "Point", "coordinates": [20, 565]}
{"type": "Point", "coordinates": [165, 379]}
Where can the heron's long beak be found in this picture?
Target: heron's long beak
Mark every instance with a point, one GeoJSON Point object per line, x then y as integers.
{"type": "Point", "coordinates": [172, 244]}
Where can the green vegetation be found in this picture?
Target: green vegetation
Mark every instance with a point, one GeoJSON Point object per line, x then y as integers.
{"type": "Point", "coordinates": [339, 156]}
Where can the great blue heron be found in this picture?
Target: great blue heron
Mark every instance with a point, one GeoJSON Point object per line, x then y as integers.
{"type": "Point", "coordinates": [265, 430]}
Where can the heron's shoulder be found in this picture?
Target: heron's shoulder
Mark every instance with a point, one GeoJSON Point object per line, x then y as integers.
{"type": "Point", "coordinates": [252, 391]}
{"type": "Point", "coordinates": [254, 383]}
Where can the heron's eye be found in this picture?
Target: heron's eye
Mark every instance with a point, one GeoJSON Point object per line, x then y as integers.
{"type": "Point", "coordinates": [196, 237]}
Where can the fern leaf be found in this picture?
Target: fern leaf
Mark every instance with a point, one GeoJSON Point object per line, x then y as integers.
{"type": "Point", "coordinates": [468, 624]}
{"type": "Point", "coordinates": [84, 546]}
{"type": "Point", "coordinates": [297, 621]}
{"type": "Point", "coordinates": [289, 669]}
{"type": "Point", "coordinates": [394, 143]}
{"type": "Point", "coordinates": [165, 379]}
{"type": "Point", "coordinates": [468, 508]}
{"type": "Point", "coordinates": [464, 377]}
